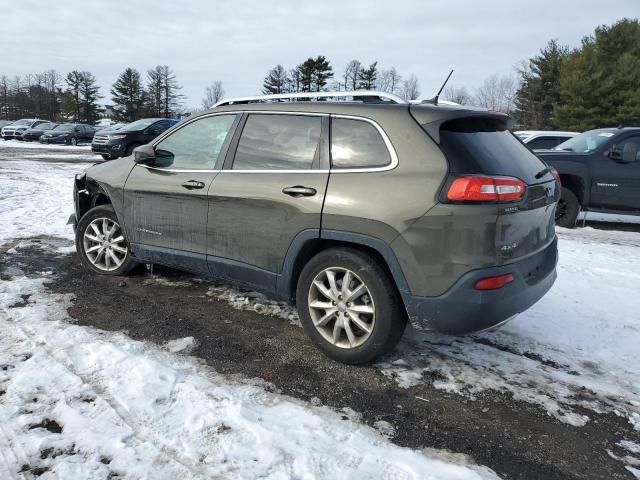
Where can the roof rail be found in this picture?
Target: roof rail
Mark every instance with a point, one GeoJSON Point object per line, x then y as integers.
{"type": "Point", "coordinates": [364, 96]}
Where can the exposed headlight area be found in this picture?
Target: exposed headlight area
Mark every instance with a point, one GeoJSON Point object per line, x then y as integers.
{"type": "Point", "coordinates": [117, 137]}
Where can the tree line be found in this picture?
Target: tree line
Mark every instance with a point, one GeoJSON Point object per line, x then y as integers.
{"type": "Point", "coordinates": [74, 97]}
{"type": "Point", "coordinates": [594, 85]}
{"type": "Point", "coordinates": [316, 75]}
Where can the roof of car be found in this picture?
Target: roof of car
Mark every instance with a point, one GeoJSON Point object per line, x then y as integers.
{"type": "Point", "coordinates": [550, 133]}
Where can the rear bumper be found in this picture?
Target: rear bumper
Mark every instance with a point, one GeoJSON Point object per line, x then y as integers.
{"type": "Point", "coordinates": [463, 309]}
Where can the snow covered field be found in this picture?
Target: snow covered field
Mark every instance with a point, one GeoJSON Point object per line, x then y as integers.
{"type": "Point", "coordinates": [576, 353]}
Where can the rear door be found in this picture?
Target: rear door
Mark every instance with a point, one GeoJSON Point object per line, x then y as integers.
{"type": "Point", "coordinates": [272, 188]}
{"type": "Point", "coordinates": [166, 203]}
{"type": "Point", "coordinates": [616, 176]}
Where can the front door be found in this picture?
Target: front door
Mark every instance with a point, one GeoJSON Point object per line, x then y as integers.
{"type": "Point", "coordinates": [616, 176]}
{"type": "Point", "coordinates": [166, 203]}
{"type": "Point", "coordinates": [272, 189]}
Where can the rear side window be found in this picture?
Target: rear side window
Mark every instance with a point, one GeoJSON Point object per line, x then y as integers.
{"type": "Point", "coordinates": [357, 144]}
{"type": "Point", "coordinates": [484, 146]}
{"type": "Point", "coordinates": [278, 142]}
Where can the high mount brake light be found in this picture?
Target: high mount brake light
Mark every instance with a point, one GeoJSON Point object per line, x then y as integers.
{"type": "Point", "coordinates": [486, 189]}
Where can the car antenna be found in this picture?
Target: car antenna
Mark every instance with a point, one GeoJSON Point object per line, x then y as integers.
{"type": "Point", "coordinates": [434, 100]}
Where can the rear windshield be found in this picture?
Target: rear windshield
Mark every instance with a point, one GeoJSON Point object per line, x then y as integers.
{"type": "Point", "coordinates": [484, 146]}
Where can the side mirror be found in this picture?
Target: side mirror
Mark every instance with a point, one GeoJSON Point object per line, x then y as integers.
{"type": "Point", "coordinates": [144, 155]}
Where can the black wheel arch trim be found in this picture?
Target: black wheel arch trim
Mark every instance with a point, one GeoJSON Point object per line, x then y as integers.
{"type": "Point", "coordinates": [287, 278]}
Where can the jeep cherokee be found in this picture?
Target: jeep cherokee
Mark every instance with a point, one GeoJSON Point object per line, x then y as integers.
{"type": "Point", "coordinates": [362, 214]}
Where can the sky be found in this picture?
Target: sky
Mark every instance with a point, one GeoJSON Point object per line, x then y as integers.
{"type": "Point", "coordinates": [237, 42]}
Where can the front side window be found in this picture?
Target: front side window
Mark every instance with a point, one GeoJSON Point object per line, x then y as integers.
{"type": "Point", "coordinates": [357, 144]}
{"type": "Point", "coordinates": [626, 151]}
{"type": "Point", "coordinates": [278, 142]}
{"type": "Point", "coordinates": [196, 146]}
{"type": "Point", "coordinates": [544, 143]}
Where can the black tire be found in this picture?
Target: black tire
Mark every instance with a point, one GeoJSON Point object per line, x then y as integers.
{"type": "Point", "coordinates": [101, 212]}
{"type": "Point", "coordinates": [568, 209]}
{"type": "Point", "coordinates": [390, 317]}
{"type": "Point", "coordinates": [107, 157]}
{"type": "Point", "coordinates": [73, 141]}
{"type": "Point", "coordinates": [129, 150]}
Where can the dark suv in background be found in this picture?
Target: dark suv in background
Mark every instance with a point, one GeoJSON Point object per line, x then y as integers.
{"type": "Point", "coordinates": [121, 142]}
{"type": "Point", "coordinates": [363, 214]}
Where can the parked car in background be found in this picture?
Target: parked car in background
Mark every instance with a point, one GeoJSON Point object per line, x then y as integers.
{"type": "Point", "coordinates": [599, 171]}
{"type": "Point", "coordinates": [34, 133]}
{"type": "Point", "coordinates": [16, 129]}
{"type": "Point", "coordinates": [543, 140]}
{"type": "Point", "coordinates": [4, 123]}
{"type": "Point", "coordinates": [69, 134]}
{"type": "Point", "coordinates": [120, 143]}
{"type": "Point", "coordinates": [306, 201]}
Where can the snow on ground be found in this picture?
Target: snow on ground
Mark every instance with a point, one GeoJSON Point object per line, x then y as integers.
{"type": "Point", "coordinates": [42, 146]}
{"type": "Point", "coordinates": [36, 198]}
{"type": "Point", "coordinates": [81, 403]}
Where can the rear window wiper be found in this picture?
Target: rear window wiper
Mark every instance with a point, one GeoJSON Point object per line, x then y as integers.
{"type": "Point", "coordinates": [542, 173]}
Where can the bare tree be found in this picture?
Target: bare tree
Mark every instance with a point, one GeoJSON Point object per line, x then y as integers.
{"type": "Point", "coordinates": [352, 74]}
{"type": "Point", "coordinates": [498, 92]}
{"type": "Point", "coordinates": [457, 94]}
{"type": "Point", "coordinates": [389, 81]}
{"type": "Point", "coordinates": [213, 94]}
{"type": "Point", "coordinates": [410, 90]}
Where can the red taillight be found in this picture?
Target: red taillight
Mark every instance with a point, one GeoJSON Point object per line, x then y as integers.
{"type": "Point", "coordinates": [486, 189]}
{"type": "Point", "coordinates": [556, 175]}
{"type": "Point", "coordinates": [494, 283]}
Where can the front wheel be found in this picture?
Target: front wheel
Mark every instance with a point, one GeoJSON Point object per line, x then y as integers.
{"type": "Point", "coordinates": [101, 244]}
{"type": "Point", "coordinates": [106, 156]}
{"type": "Point", "coordinates": [568, 209]}
{"type": "Point", "coordinates": [73, 141]}
{"type": "Point", "coordinates": [349, 305]}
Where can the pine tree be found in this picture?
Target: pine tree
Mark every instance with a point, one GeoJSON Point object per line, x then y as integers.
{"type": "Point", "coordinates": [73, 101]}
{"type": "Point", "coordinates": [367, 77]}
{"type": "Point", "coordinates": [128, 96]}
{"type": "Point", "coordinates": [89, 94]}
{"type": "Point", "coordinates": [539, 87]}
{"type": "Point", "coordinates": [276, 81]}
{"type": "Point", "coordinates": [600, 81]}
{"type": "Point", "coordinates": [322, 72]}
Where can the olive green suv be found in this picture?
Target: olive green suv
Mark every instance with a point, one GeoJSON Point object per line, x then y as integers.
{"type": "Point", "coordinates": [365, 213]}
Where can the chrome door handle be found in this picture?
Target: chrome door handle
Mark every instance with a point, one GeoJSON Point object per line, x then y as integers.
{"type": "Point", "coordinates": [193, 185]}
{"type": "Point", "coordinates": [299, 191]}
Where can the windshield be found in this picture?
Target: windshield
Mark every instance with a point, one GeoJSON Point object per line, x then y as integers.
{"type": "Point", "coordinates": [23, 122]}
{"type": "Point", "coordinates": [139, 125]}
{"type": "Point", "coordinates": [66, 127]}
{"type": "Point", "coordinates": [586, 142]}
{"type": "Point", "coordinates": [45, 126]}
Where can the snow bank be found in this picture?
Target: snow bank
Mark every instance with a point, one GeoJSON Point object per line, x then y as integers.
{"type": "Point", "coordinates": [81, 403]}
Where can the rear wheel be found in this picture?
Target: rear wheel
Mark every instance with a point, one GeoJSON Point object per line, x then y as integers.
{"type": "Point", "coordinates": [568, 209]}
{"type": "Point", "coordinates": [101, 243]}
{"type": "Point", "coordinates": [349, 306]}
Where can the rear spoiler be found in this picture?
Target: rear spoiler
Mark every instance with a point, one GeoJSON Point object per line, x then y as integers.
{"type": "Point", "coordinates": [431, 118]}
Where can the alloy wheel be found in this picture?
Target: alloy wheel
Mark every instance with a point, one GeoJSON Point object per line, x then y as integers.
{"type": "Point", "coordinates": [104, 245]}
{"type": "Point", "coordinates": [341, 307]}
